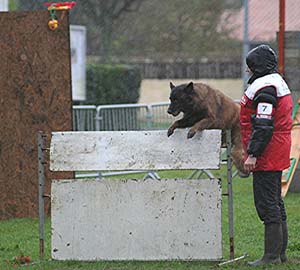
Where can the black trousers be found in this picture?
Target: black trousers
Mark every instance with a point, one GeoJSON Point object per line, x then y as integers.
{"type": "Point", "coordinates": [267, 196]}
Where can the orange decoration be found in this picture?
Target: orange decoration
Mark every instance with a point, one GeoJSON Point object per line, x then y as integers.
{"type": "Point", "coordinates": [53, 24]}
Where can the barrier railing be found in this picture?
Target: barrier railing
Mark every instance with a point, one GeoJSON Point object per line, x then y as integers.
{"type": "Point", "coordinates": [118, 117]}
{"type": "Point", "coordinates": [84, 117]}
{"type": "Point", "coordinates": [122, 117]}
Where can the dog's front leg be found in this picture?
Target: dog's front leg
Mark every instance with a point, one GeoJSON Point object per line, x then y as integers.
{"type": "Point", "coordinates": [199, 126]}
{"type": "Point", "coordinates": [182, 123]}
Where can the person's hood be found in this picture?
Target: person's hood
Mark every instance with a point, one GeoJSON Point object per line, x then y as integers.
{"type": "Point", "coordinates": [262, 61]}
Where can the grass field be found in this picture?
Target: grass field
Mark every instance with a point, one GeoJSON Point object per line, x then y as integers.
{"type": "Point", "coordinates": [19, 237]}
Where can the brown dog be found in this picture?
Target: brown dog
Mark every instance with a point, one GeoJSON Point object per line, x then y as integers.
{"type": "Point", "coordinates": [206, 108]}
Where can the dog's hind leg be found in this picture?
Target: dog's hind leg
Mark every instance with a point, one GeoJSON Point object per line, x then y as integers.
{"type": "Point", "coordinates": [237, 152]}
{"type": "Point", "coordinates": [237, 155]}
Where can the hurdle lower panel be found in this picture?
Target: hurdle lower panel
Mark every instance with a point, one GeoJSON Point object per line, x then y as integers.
{"type": "Point", "coordinates": [149, 219]}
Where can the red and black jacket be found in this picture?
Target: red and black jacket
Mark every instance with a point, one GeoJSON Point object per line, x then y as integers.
{"type": "Point", "coordinates": [266, 122]}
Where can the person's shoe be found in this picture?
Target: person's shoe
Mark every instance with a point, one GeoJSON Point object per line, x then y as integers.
{"type": "Point", "coordinates": [283, 258]}
{"type": "Point", "coordinates": [273, 245]}
{"type": "Point", "coordinates": [264, 261]}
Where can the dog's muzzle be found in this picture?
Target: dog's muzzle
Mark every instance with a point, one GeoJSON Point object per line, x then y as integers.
{"type": "Point", "coordinates": [174, 113]}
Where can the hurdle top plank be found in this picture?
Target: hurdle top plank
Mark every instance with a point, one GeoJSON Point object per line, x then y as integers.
{"type": "Point", "coordinates": [134, 150]}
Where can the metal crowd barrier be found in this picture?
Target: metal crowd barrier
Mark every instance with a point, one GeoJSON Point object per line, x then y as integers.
{"type": "Point", "coordinates": [123, 117]}
{"type": "Point", "coordinates": [119, 117]}
{"type": "Point", "coordinates": [84, 117]}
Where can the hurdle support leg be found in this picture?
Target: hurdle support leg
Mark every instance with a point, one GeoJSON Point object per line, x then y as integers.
{"type": "Point", "coordinates": [230, 195]}
{"type": "Point", "coordinates": [41, 181]}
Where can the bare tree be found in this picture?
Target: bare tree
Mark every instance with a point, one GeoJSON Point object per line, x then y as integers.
{"type": "Point", "coordinates": [175, 29]}
{"type": "Point", "coordinates": [100, 17]}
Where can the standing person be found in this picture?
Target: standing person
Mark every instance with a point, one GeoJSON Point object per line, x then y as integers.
{"type": "Point", "coordinates": [266, 123]}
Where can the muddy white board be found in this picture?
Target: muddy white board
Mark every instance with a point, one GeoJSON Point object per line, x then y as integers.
{"type": "Point", "coordinates": [134, 150]}
{"type": "Point", "coordinates": [136, 219]}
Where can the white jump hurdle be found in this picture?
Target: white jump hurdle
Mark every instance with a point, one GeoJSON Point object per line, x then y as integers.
{"type": "Point", "coordinates": [135, 219]}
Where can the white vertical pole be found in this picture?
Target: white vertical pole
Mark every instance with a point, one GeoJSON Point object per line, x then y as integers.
{"type": "Point", "coordinates": [3, 5]}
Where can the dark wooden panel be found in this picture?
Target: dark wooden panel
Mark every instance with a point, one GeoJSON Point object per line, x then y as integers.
{"type": "Point", "coordinates": [35, 94]}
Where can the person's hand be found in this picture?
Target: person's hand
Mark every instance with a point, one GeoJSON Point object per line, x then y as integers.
{"type": "Point", "coordinates": [250, 164]}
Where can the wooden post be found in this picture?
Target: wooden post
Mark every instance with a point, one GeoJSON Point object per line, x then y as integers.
{"type": "Point", "coordinates": [230, 195]}
{"type": "Point", "coordinates": [281, 37]}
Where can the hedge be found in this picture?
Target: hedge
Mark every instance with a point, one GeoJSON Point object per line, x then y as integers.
{"type": "Point", "coordinates": [112, 84]}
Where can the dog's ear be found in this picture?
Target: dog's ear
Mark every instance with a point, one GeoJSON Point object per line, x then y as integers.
{"type": "Point", "coordinates": [172, 85]}
{"type": "Point", "coordinates": [190, 87]}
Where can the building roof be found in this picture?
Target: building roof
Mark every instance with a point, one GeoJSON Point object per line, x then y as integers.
{"type": "Point", "coordinates": [263, 19]}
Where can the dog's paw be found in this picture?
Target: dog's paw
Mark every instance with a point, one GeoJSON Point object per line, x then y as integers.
{"type": "Point", "coordinates": [243, 174]}
{"type": "Point", "coordinates": [191, 134]}
{"type": "Point", "coordinates": [170, 131]}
